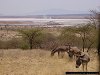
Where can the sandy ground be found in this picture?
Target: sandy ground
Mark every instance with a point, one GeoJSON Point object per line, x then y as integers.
{"type": "Point", "coordinates": [39, 62]}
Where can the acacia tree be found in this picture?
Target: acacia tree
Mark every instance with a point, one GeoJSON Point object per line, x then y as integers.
{"type": "Point", "coordinates": [68, 36]}
{"type": "Point", "coordinates": [88, 34]}
{"type": "Point", "coordinates": [82, 31]}
{"type": "Point", "coordinates": [32, 36]}
{"type": "Point", "coordinates": [95, 22]}
{"type": "Point", "coordinates": [83, 35]}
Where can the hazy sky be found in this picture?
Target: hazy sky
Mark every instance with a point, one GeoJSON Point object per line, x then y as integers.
{"type": "Point", "coordinates": [22, 7]}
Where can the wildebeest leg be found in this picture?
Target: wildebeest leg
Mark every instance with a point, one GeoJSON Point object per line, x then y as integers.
{"type": "Point", "coordinates": [86, 67]}
{"type": "Point", "coordinates": [74, 56]}
{"type": "Point", "coordinates": [62, 54]}
{"type": "Point", "coordinates": [58, 54]}
{"type": "Point", "coordinates": [83, 67]}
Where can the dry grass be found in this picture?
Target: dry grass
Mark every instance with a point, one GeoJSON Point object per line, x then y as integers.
{"type": "Point", "coordinates": [4, 35]}
{"type": "Point", "coordinates": [8, 35]}
{"type": "Point", "coordinates": [38, 62]}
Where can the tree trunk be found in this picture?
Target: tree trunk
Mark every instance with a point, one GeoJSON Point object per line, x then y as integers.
{"type": "Point", "coordinates": [31, 44]}
{"type": "Point", "coordinates": [83, 44]}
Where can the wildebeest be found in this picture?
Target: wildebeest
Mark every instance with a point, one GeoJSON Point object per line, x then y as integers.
{"type": "Point", "coordinates": [74, 51]}
{"type": "Point", "coordinates": [82, 59]}
{"type": "Point", "coordinates": [60, 49]}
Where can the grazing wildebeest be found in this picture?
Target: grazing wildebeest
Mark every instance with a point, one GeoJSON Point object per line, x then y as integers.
{"type": "Point", "coordinates": [60, 49]}
{"type": "Point", "coordinates": [74, 51]}
{"type": "Point", "coordinates": [82, 59]}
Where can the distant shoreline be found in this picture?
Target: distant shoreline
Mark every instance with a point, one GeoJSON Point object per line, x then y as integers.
{"type": "Point", "coordinates": [61, 16]}
{"type": "Point", "coordinates": [32, 21]}
{"type": "Point", "coordinates": [36, 19]}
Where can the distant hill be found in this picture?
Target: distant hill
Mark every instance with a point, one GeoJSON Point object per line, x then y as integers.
{"type": "Point", "coordinates": [58, 12]}
{"type": "Point", "coordinates": [69, 16]}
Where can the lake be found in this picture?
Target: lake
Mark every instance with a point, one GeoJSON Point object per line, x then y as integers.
{"type": "Point", "coordinates": [66, 22]}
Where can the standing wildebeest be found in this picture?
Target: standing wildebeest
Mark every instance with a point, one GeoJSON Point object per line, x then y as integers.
{"type": "Point", "coordinates": [74, 51]}
{"type": "Point", "coordinates": [60, 49]}
{"type": "Point", "coordinates": [82, 59]}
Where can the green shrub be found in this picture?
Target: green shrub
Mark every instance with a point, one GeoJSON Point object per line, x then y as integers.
{"type": "Point", "coordinates": [24, 46]}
